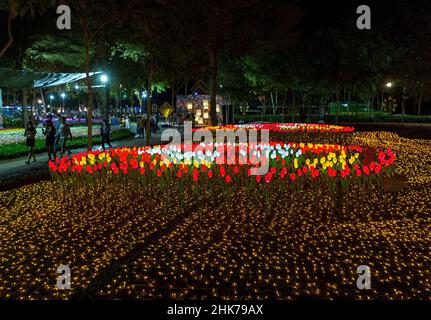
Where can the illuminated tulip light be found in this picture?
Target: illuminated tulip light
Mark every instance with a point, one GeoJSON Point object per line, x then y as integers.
{"type": "Point", "coordinates": [291, 162]}
{"type": "Point", "coordinates": [287, 127]}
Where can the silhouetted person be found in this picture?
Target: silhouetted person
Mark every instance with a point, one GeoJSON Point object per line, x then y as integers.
{"type": "Point", "coordinates": [65, 135]}
{"type": "Point", "coordinates": [50, 133]}
{"type": "Point", "coordinates": [105, 131]}
{"type": "Point", "coordinates": [30, 141]}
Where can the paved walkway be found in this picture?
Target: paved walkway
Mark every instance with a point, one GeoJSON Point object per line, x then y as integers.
{"type": "Point", "coordinates": [15, 172]}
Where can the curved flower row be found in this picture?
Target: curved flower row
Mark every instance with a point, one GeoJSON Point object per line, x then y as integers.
{"type": "Point", "coordinates": [233, 164]}
{"type": "Point", "coordinates": [286, 127]}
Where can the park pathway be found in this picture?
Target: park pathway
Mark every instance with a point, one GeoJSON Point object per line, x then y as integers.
{"type": "Point", "coordinates": [15, 172]}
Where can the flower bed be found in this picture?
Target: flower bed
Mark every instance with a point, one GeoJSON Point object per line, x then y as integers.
{"type": "Point", "coordinates": [12, 136]}
{"type": "Point", "coordinates": [294, 132]}
{"type": "Point", "coordinates": [13, 150]}
{"type": "Point", "coordinates": [294, 163]}
{"type": "Point", "coordinates": [286, 127]}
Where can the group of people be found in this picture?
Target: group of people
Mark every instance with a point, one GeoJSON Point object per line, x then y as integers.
{"type": "Point", "coordinates": [57, 133]}
{"type": "Point", "coordinates": [141, 125]}
{"type": "Point", "coordinates": [56, 137]}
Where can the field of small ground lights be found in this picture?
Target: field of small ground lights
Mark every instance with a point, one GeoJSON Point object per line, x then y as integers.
{"type": "Point", "coordinates": [127, 239]}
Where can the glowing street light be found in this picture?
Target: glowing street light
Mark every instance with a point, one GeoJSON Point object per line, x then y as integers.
{"type": "Point", "coordinates": [104, 78]}
{"type": "Point", "coordinates": [51, 97]}
{"type": "Point", "coordinates": [63, 95]}
{"type": "Point", "coordinates": [388, 84]}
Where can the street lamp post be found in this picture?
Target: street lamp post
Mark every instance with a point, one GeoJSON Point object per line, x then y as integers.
{"type": "Point", "coordinates": [40, 104]}
{"type": "Point", "coordinates": [79, 103]}
{"type": "Point", "coordinates": [121, 104]}
{"type": "Point", "coordinates": [104, 79]}
{"type": "Point", "coordinates": [387, 85]}
{"type": "Point", "coordinates": [51, 97]}
{"type": "Point", "coordinates": [63, 95]}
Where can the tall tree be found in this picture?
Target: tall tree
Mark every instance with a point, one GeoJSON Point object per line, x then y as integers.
{"type": "Point", "coordinates": [236, 25]}
{"type": "Point", "coordinates": [95, 20]}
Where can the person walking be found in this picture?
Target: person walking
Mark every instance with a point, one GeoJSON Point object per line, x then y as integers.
{"type": "Point", "coordinates": [50, 134]}
{"type": "Point", "coordinates": [138, 127]}
{"type": "Point", "coordinates": [30, 141]}
{"type": "Point", "coordinates": [65, 135]}
{"type": "Point", "coordinates": [142, 126]}
{"type": "Point", "coordinates": [57, 124]}
{"type": "Point", "coordinates": [154, 125]}
{"type": "Point", "coordinates": [127, 122]}
{"type": "Point", "coordinates": [105, 131]}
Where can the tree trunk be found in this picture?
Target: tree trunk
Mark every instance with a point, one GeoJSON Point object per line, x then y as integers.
{"type": "Point", "coordinates": [173, 87]}
{"type": "Point", "coordinates": [1, 109]}
{"type": "Point", "coordinates": [403, 105]}
{"type": "Point", "coordinates": [338, 106]}
{"type": "Point", "coordinates": [32, 106]}
{"type": "Point", "coordinates": [213, 92]}
{"type": "Point", "coordinates": [294, 106]}
{"type": "Point", "coordinates": [43, 101]}
{"type": "Point", "coordinates": [10, 36]}
{"type": "Point", "coordinates": [89, 89]}
{"type": "Point", "coordinates": [105, 112]}
{"type": "Point", "coordinates": [263, 107]}
{"type": "Point", "coordinates": [139, 97]}
{"type": "Point", "coordinates": [173, 92]}
{"type": "Point", "coordinates": [24, 107]}
{"type": "Point", "coordinates": [285, 99]}
{"type": "Point", "coordinates": [420, 102]}
{"type": "Point", "coordinates": [284, 105]}
{"type": "Point", "coordinates": [149, 111]}
{"type": "Point", "coordinates": [303, 101]}
{"type": "Point", "coordinates": [272, 102]}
